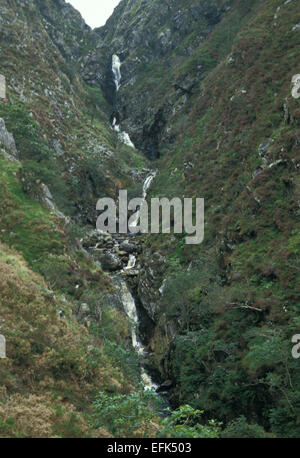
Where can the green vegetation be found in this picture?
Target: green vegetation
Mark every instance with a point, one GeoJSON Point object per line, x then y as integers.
{"type": "Point", "coordinates": [58, 357]}
{"type": "Point", "coordinates": [234, 300]}
{"type": "Point", "coordinates": [127, 415]}
{"type": "Point", "coordinates": [212, 95]}
{"type": "Point", "coordinates": [132, 416]}
{"type": "Point", "coordinates": [184, 423]}
{"type": "Point", "coordinates": [25, 224]}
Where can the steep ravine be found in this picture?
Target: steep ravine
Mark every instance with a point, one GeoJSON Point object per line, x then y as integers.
{"type": "Point", "coordinates": [147, 291]}
{"type": "Point", "coordinates": [205, 88]}
{"type": "Point", "coordinates": [119, 256]}
{"type": "Point", "coordinates": [121, 249]}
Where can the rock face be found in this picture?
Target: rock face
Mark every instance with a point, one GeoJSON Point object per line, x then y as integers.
{"type": "Point", "coordinates": [150, 280]}
{"type": "Point", "coordinates": [7, 140]}
{"type": "Point", "coordinates": [2, 347]}
{"type": "Point", "coordinates": [2, 87]}
{"type": "Point", "coordinates": [66, 28]}
{"type": "Point", "coordinates": [110, 261]}
{"type": "Point", "coordinates": [142, 37]}
{"type": "Point", "coordinates": [46, 197]}
{"type": "Point", "coordinates": [43, 52]}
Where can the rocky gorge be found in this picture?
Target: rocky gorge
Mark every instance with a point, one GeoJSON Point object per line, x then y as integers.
{"type": "Point", "coordinates": [194, 98]}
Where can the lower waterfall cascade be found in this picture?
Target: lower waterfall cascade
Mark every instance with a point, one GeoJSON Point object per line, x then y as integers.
{"type": "Point", "coordinates": [112, 246]}
{"type": "Point", "coordinates": [128, 300]}
{"type": "Point", "coordinates": [131, 312]}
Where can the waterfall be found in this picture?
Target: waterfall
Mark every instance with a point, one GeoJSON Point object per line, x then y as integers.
{"type": "Point", "coordinates": [129, 302]}
{"type": "Point", "coordinates": [131, 262]}
{"type": "Point", "coordinates": [115, 126]}
{"type": "Point", "coordinates": [146, 186]}
{"type": "Point", "coordinates": [131, 312]}
{"type": "Point", "coordinates": [116, 70]}
{"type": "Point", "coordinates": [124, 137]}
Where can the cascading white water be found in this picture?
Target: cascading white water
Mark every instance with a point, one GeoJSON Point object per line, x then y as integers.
{"type": "Point", "coordinates": [115, 126]}
{"type": "Point", "coordinates": [146, 186]}
{"type": "Point", "coordinates": [129, 302]}
{"type": "Point", "coordinates": [131, 262]}
{"type": "Point", "coordinates": [131, 312]}
{"type": "Point", "coordinates": [116, 69]}
{"type": "Point", "coordinates": [124, 138]}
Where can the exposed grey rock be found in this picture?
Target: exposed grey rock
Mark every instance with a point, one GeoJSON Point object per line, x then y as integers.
{"type": "Point", "coordinates": [131, 273]}
{"type": "Point", "coordinates": [153, 268]}
{"type": "Point", "coordinates": [84, 309]}
{"type": "Point", "coordinates": [2, 347]}
{"type": "Point", "coordinates": [2, 87]}
{"type": "Point", "coordinates": [7, 140]}
{"type": "Point", "coordinates": [263, 147]}
{"type": "Point", "coordinates": [58, 147]}
{"type": "Point", "coordinates": [47, 198]}
{"type": "Point", "coordinates": [130, 247]}
{"type": "Point", "coordinates": [110, 262]}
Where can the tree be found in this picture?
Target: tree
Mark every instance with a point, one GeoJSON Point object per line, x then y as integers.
{"type": "Point", "coordinates": [184, 423]}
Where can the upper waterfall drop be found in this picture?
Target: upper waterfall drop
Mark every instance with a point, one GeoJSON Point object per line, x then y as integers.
{"type": "Point", "coordinates": [116, 69]}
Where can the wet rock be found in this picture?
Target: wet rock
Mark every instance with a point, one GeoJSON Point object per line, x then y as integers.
{"type": "Point", "coordinates": [165, 386]}
{"type": "Point", "coordinates": [131, 273]}
{"type": "Point", "coordinates": [97, 239]}
{"type": "Point", "coordinates": [130, 247]}
{"type": "Point", "coordinates": [110, 262]}
{"type": "Point", "coordinates": [151, 274]}
{"type": "Point", "coordinates": [263, 147]}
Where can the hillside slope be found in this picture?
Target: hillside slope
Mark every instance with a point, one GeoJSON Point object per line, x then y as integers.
{"type": "Point", "coordinates": [66, 339]}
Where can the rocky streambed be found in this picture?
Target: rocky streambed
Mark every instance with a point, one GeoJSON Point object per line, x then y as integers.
{"type": "Point", "coordinates": [119, 255]}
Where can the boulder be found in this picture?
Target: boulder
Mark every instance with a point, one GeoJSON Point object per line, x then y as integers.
{"type": "Point", "coordinates": [96, 238]}
{"type": "Point", "coordinates": [110, 262]}
{"type": "Point", "coordinates": [130, 247]}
